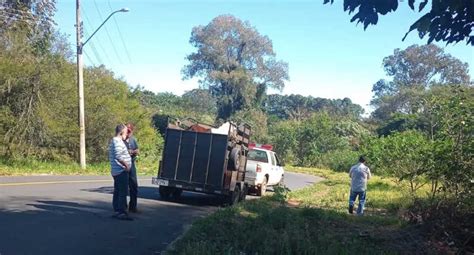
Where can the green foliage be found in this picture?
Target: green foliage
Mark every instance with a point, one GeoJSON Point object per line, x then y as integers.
{"type": "Point", "coordinates": [235, 63]}
{"type": "Point", "coordinates": [316, 137]}
{"type": "Point", "coordinates": [257, 120]}
{"type": "Point", "coordinates": [197, 104]}
{"type": "Point", "coordinates": [284, 137]}
{"type": "Point", "coordinates": [415, 70]}
{"type": "Point", "coordinates": [313, 220]}
{"type": "Point", "coordinates": [33, 19]}
{"type": "Point", "coordinates": [321, 140]}
{"type": "Point", "coordinates": [339, 160]}
{"type": "Point", "coordinates": [406, 156]}
{"type": "Point", "coordinates": [453, 136]}
{"type": "Point", "coordinates": [447, 21]}
{"type": "Point", "coordinates": [298, 107]}
{"type": "Point", "coordinates": [38, 104]}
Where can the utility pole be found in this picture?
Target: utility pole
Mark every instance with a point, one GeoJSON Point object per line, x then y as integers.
{"type": "Point", "coordinates": [80, 78]}
{"type": "Point", "coordinates": [80, 88]}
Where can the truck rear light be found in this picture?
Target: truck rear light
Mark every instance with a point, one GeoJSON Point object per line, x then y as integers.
{"type": "Point", "coordinates": [259, 169]}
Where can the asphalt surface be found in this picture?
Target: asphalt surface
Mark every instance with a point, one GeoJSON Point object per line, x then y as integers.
{"type": "Point", "coordinates": [72, 215]}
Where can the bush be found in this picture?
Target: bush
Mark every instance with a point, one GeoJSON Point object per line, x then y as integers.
{"type": "Point", "coordinates": [339, 160]}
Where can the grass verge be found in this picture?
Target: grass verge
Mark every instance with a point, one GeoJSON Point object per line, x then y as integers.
{"type": "Point", "coordinates": [35, 167]}
{"type": "Point", "coordinates": [312, 220]}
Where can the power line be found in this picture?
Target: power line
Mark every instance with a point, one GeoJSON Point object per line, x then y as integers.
{"type": "Point", "coordinates": [94, 50]}
{"type": "Point", "coordinates": [107, 32]}
{"type": "Point", "coordinates": [89, 58]}
{"type": "Point", "coordinates": [97, 39]}
{"type": "Point", "coordinates": [120, 34]}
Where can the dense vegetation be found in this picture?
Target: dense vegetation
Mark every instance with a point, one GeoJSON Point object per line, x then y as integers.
{"type": "Point", "coordinates": [420, 132]}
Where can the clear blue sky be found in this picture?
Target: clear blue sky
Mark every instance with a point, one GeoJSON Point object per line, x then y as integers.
{"type": "Point", "coordinates": [328, 56]}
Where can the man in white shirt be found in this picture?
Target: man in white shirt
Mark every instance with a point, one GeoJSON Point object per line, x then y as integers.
{"type": "Point", "coordinates": [120, 163]}
{"type": "Point", "coordinates": [359, 174]}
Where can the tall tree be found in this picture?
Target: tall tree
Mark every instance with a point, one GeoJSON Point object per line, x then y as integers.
{"type": "Point", "coordinates": [235, 62]}
{"type": "Point", "coordinates": [32, 17]}
{"type": "Point", "coordinates": [414, 70]}
{"type": "Point", "coordinates": [447, 20]}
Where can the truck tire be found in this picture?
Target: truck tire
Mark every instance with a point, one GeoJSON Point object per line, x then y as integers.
{"type": "Point", "coordinates": [234, 159]}
{"type": "Point", "coordinates": [282, 181]}
{"type": "Point", "coordinates": [263, 188]}
{"type": "Point", "coordinates": [165, 192]}
{"type": "Point", "coordinates": [177, 193]}
{"type": "Point", "coordinates": [244, 193]}
{"type": "Point", "coordinates": [234, 196]}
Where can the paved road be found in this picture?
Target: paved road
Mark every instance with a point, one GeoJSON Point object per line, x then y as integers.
{"type": "Point", "coordinates": [72, 215]}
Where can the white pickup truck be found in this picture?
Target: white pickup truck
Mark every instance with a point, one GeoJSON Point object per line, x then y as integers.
{"type": "Point", "coordinates": [263, 169]}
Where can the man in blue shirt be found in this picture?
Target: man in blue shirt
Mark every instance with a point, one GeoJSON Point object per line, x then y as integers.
{"type": "Point", "coordinates": [359, 174]}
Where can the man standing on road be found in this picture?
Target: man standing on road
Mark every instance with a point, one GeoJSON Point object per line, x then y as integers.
{"type": "Point", "coordinates": [120, 163]}
{"type": "Point", "coordinates": [359, 174]}
{"type": "Point", "coordinates": [132, 147]}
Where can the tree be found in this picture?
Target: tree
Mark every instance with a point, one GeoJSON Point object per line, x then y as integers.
{"type": "Point", "coordinates": [447, 20]}
{"type": "Point", "coordinates": [414, 71]}
{"type": "Point", "coordinates": [298, 107]}
{"type": "Point", "coordinates": [32, 17]}
{"type": "Point", "coordinates": [201, 101]}
{"type": "Point", "coordinates": [404, 155]}
{"type": "Point", "coordinates": [257, 120]}
{"type": "Point", "coordinates": [235, 63]}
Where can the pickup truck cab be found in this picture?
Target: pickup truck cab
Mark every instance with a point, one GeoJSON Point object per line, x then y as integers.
{"type": "Point", "coordinates": [263, 169]}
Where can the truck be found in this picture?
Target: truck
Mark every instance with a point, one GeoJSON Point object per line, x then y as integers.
{"type": "Point", "coordinates": [264, 168]}
{"type": "Point", "coordinates": [205, 159]}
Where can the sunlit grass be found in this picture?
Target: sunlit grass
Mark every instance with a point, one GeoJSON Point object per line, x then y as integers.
{"type": "Point", "coordinates": [313, 220]}
{"type": "Point", "coordinates": [384, 196]}
{"type": "Point", "coordinates": [35, 167]}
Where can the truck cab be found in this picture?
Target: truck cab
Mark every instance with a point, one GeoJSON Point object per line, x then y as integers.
{"type": "Point", "coordinates": [263, 169]}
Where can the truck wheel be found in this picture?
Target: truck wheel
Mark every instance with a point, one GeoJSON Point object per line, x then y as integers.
{"type": "Point", "coordinates": [262, 189]}
{"type": "Point", "coordinates": [282, 181]}
{"type": "Point", "coordinates": [243, 194]}
{"type": "Point", "coordinates": [177, 193]}
{"type": "Point", "coordinates": [234, 159]}
{"type": "Point", "coordinates": [234, 196]}
{"type": "Point", "coordinates": [165, 192]}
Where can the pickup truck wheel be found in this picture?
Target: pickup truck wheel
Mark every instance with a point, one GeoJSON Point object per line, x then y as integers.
{"type": "Point", "coordinates": [263, 188]}
{"type": "Point", "coordinates": [282, 181]}
{"type": "Point", "coordinates": [234, 159]}
{"type": "Point", "coordinates": [165, 192]}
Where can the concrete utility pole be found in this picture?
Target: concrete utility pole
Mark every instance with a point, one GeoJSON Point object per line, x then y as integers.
{"type": "Point", "coordinates": [80, 87]}
{"type": "Point", "coordinates": [80, 78]}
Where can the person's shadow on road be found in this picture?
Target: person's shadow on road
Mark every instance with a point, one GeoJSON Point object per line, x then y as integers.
{"type": "Point", "coordinates": [151, 193]}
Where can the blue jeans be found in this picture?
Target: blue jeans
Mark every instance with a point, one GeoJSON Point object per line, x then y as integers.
{"type": "Point", "coordinates": [352, 198]}
{"type": "Point", "coordinates": [119, 200]}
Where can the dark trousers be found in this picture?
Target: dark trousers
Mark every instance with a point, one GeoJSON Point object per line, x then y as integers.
{"type": "Point", "coordinates": [133, 187]}
{"type": "Point", "coordinates": [119, 200]}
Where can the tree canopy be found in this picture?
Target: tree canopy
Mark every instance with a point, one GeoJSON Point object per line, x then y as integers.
{"type": "Point", "coordinates": [235, 62]}
{"type": "Point", "coordinates": [450, 21]}
{"type": "Point", "coordinates": [413, 71]}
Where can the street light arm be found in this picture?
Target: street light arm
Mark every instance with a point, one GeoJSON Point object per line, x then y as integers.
{"type": "Point", "coordinates": [121, 10]}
